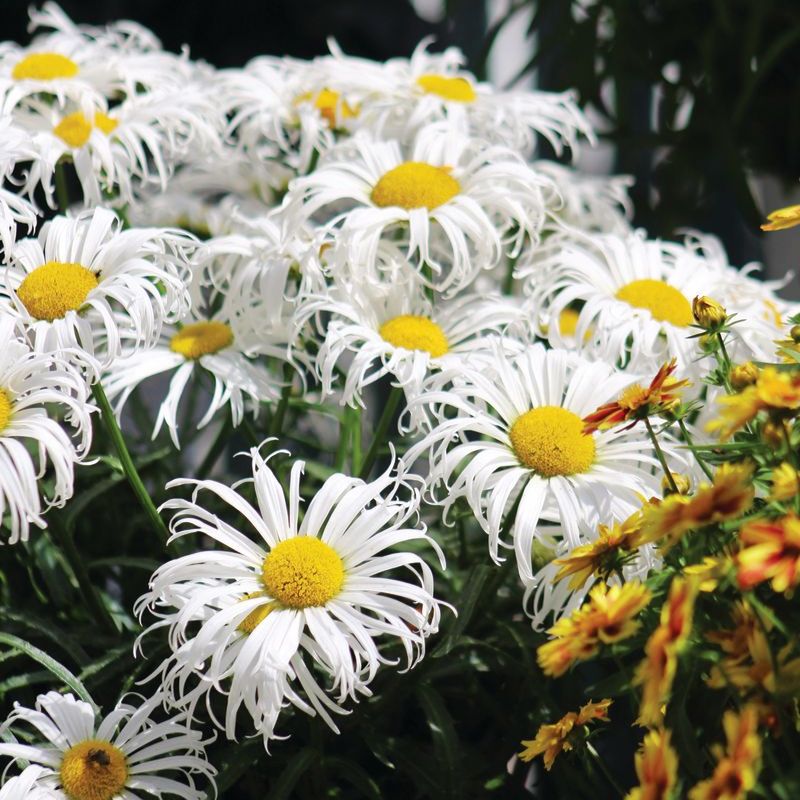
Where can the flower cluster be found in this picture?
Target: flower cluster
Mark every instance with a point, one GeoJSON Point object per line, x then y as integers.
{"type": "Point", "coordinates": [426, 341]}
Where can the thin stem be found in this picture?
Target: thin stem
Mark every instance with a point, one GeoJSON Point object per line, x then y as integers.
{"type": "Point", "coordinates": [381, 429]}
{"type": "Point", "coordinates": [276, 425]}
{"type": "Point", "coordinates": [355, 452]}
{"type": "Point", "coordinates": [687, 436]}
{"type": "Point", "coordinates": [604, 770]}
{"type": "Point", "coordinates": [128, 467]}
{"type": "Point", "coordinates": [64, 540]}
{"type": "Point", "coordinates": [660, 455]}
{"type": "Point", "coordinates": [62, 192]}
{"type": "Point", "coordinates": [215, 451]}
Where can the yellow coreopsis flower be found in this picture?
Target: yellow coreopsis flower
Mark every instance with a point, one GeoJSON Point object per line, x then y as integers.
{"type": "Point", "coordinates": [727, 497]}
{"type": "Point", "coordinates": [738, 764]}
{"type": "Point", "coordinates": [785, 482]}
{"type": "Point", "coordinates": [782, 218]}
{"type": "Point", "coordinates": [607, 617]}
{"type": "Point", "coordinates": [770, 552]}
{"type": "Point", "coordinates": [552, 739]}
{"type": "Point", "coordinates": [656, 768]}
{"type": "Point", "coordinates": [656, 673]}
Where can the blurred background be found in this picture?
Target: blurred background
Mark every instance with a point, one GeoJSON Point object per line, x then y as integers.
{"type": "Point", "coordinates": [699, 100]}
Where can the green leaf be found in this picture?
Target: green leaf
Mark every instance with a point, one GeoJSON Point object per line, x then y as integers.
{"type": "Point", "coordinates": [354, 775]}
{"type": "Point", "coordinates": [445, 738]}
{"type": "Point", "coordinates": [35, 623]}
{"type": "Point", "coordinates": [282, 790]}
{"type": "Point", "coordinates": [48, 662]}
{"type": "Point", "coordinates": [473, 586]}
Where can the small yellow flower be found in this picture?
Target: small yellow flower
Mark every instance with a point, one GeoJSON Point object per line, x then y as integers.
{"type": "Point", "coordinates": [708, 313]}
{"type": "Point", "coordinates": [709, 572]}
{"type": "Point", "coordinates": [770, 552]}
{"type": "Point", "coordinates": [743, 375]}
{"type": "Point", "coordinates": [656, 768]}
{"type": "Point", "coordinates": [782, 218]}
{"type": "Point", "coordinates": [785, 482]}
{"type": "Point", "coordinates": [738, 764]}
{"type": "Point", "coordinates": [553, 739]}
{"type": "Point", "coordinates": [728, 497]}
{"type": "Point", "coordinates": [607, 617]}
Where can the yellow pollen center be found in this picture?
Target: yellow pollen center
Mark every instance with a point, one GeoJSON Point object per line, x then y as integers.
{"type": "Point", "coordinates": [75, 129]}
{"type": "Point", "coordinates": [5, 409]}
{"type": "Point", "coordinates": [44, 67]}
{"type": "Point", "coordinates": [330, 105]}
{"type": "Point", "coordinates": [415, 333]}
{"type": "Point", "coordinates": [201, 339]}
{"type": "Point", "coordinates": [50, 291]}
{"type": "Point", "coordinates": [458, 89]}
{"type": "Point", "coordinates": [302, 572]}
{"type": "Point", "coordinates": [663, 301]}
{"type": "Point", "coordinates": [93, 770]}
{"type": "Point", "coordinates": [415, 184]}
{"type": "Point", "coordinates": [550, 441]}
{"type": "Point", "coordinates": [257, 615]}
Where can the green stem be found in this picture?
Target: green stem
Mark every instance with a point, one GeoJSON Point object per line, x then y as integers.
{"type": "Point", "coordinates": [700, 460]}
{"type": "Point", "coordinates": [508, 278]}
{"type": "Point", "coordinates": [215, 451]}
{"type": "Point", "coordinates": [128, 467]}
{"type": "Point", "coordinates": [355, 452]}
{"type": "Point", "coordinates": [276, 425]}
{"type": "Point", "coordinates": [660, 455]}
{"type": "Point", "coordinates": [604, 769]}
{"type": "Point", "coordinates": [381, 429]}
{"type": "Point", "coordinates": [64, 540]}
{"type": "Point", "coordinates": [62, 192]}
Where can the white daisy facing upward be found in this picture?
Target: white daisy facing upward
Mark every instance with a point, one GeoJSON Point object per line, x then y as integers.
{"type": "Point", "coordinates": [510, 438]}
{"type": "Point", "coordinates": [458, 204]}
{"type": "Point", "coordinates": [32, 442]}
{"type": "Point", "coordinates": [635, 295]}
{"type": "Point", "coordinates": [393, 329]}
{"type": "Point", "coordinates": [211, 344]}
{"type": "Point", "coordinates": [125, 755]}
{"type": "Point", "coordinates": [257, 619]}
{"type": "Point", "coordinates": [84, 284]}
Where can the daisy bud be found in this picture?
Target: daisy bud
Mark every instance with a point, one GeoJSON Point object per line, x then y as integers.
{"type": "Point", "coordinates": [794, 332]}
{"type": "Point", "coordinates": [743, 375]}
{"type": "Point", "coordinates": [681, 481]}
{"type": "Point", "coordinates": [708, 313]}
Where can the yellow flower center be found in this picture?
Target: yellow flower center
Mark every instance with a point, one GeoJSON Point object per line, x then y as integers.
{"type": "Point", "coordinates": [458, 89]}
{"type": "Point", "coordinates": [201, 339]}
{"type": "Point", "coordinates": [663, 301]}
{"type": "Point", "coordinates": [415, 333]}
{"type": "Point", "coordinates": [44, 67]}
{"type": "Point", "coordinates": [5, 409]}
{"type": "Point", "coordinates": [302, 572]}
{"type": "Point", "coordinates": [414, 184]}
{"type": "Point", "coordinates": [257, 615]}
{"type": "Point", "coordinates": [329, 104]}
{"type": "Point", "coordinates": [75, 129]}
{"type": "Point", "coordinates": [550, 441]}
{"type": "Point", "coordinates": [93, 770]}
{"type": "Point", "coordinates": [56, 287]}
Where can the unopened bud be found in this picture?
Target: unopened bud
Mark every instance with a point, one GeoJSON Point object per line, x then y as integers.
{"type": "Point", "coordinates": [708, 313]}
{"type": "Point", "coordinates": [681, 482]}
{"type": "Point", "coordinates": [794, 332]}
{"type": "Point", "coordinates": [772, 434]}
{"type": "Point", "coordinates": [743, 375]}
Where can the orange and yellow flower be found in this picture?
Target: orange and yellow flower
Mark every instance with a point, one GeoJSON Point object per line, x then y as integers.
{"type": "Point", "coordinates": [657, 672]}
{"type": "Point", "coordinates": [607, 617]}
{"type": "Point", "coordinates": [738, 764]}
{"type": "Point", "coordinates": [552, 739]}
{"type": "Point", "coordinates": [656, 768]}
{"type": "Point", "coordinates": [727, 497]}
{"type": "Point", "coordinates": [785, 483]}
{"type": "Point", "coordinates": [782, 218]}
{"type": "Point", "coordinates": [638, 402]}
{"type": "Point", "coordinates": [775, 390]}
{"type": "Point", "coordinates": [770, 552]}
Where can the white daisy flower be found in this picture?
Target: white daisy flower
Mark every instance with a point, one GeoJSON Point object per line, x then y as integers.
{"type": "Point", "coordinates": [254, 619]}
{"type": "Point", "coordinates": [84, 284]}
{"type": "Point", "coordinates": [15, 147]}
{"type": "Point", "coordinates": [124, 755]}
{"type": "Point", "coordinates": [23, 786]}
{"type": "Point", "coordinates": [393, 329]}
{"type": "Point", "coordinates": [458, 204]}
{"type": "Point", "coordinates": [403, 95]}
{"type": "Point", "coordinates": [118, 151]}
{"type": "Point", "coordinates": [635, 299]}
{"type": "Point", "coordinates": [32, 442]}
{"type": "Point", "coordinates": [211, 344]}
{"type": "Point", "coordinates": [516, 431]}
